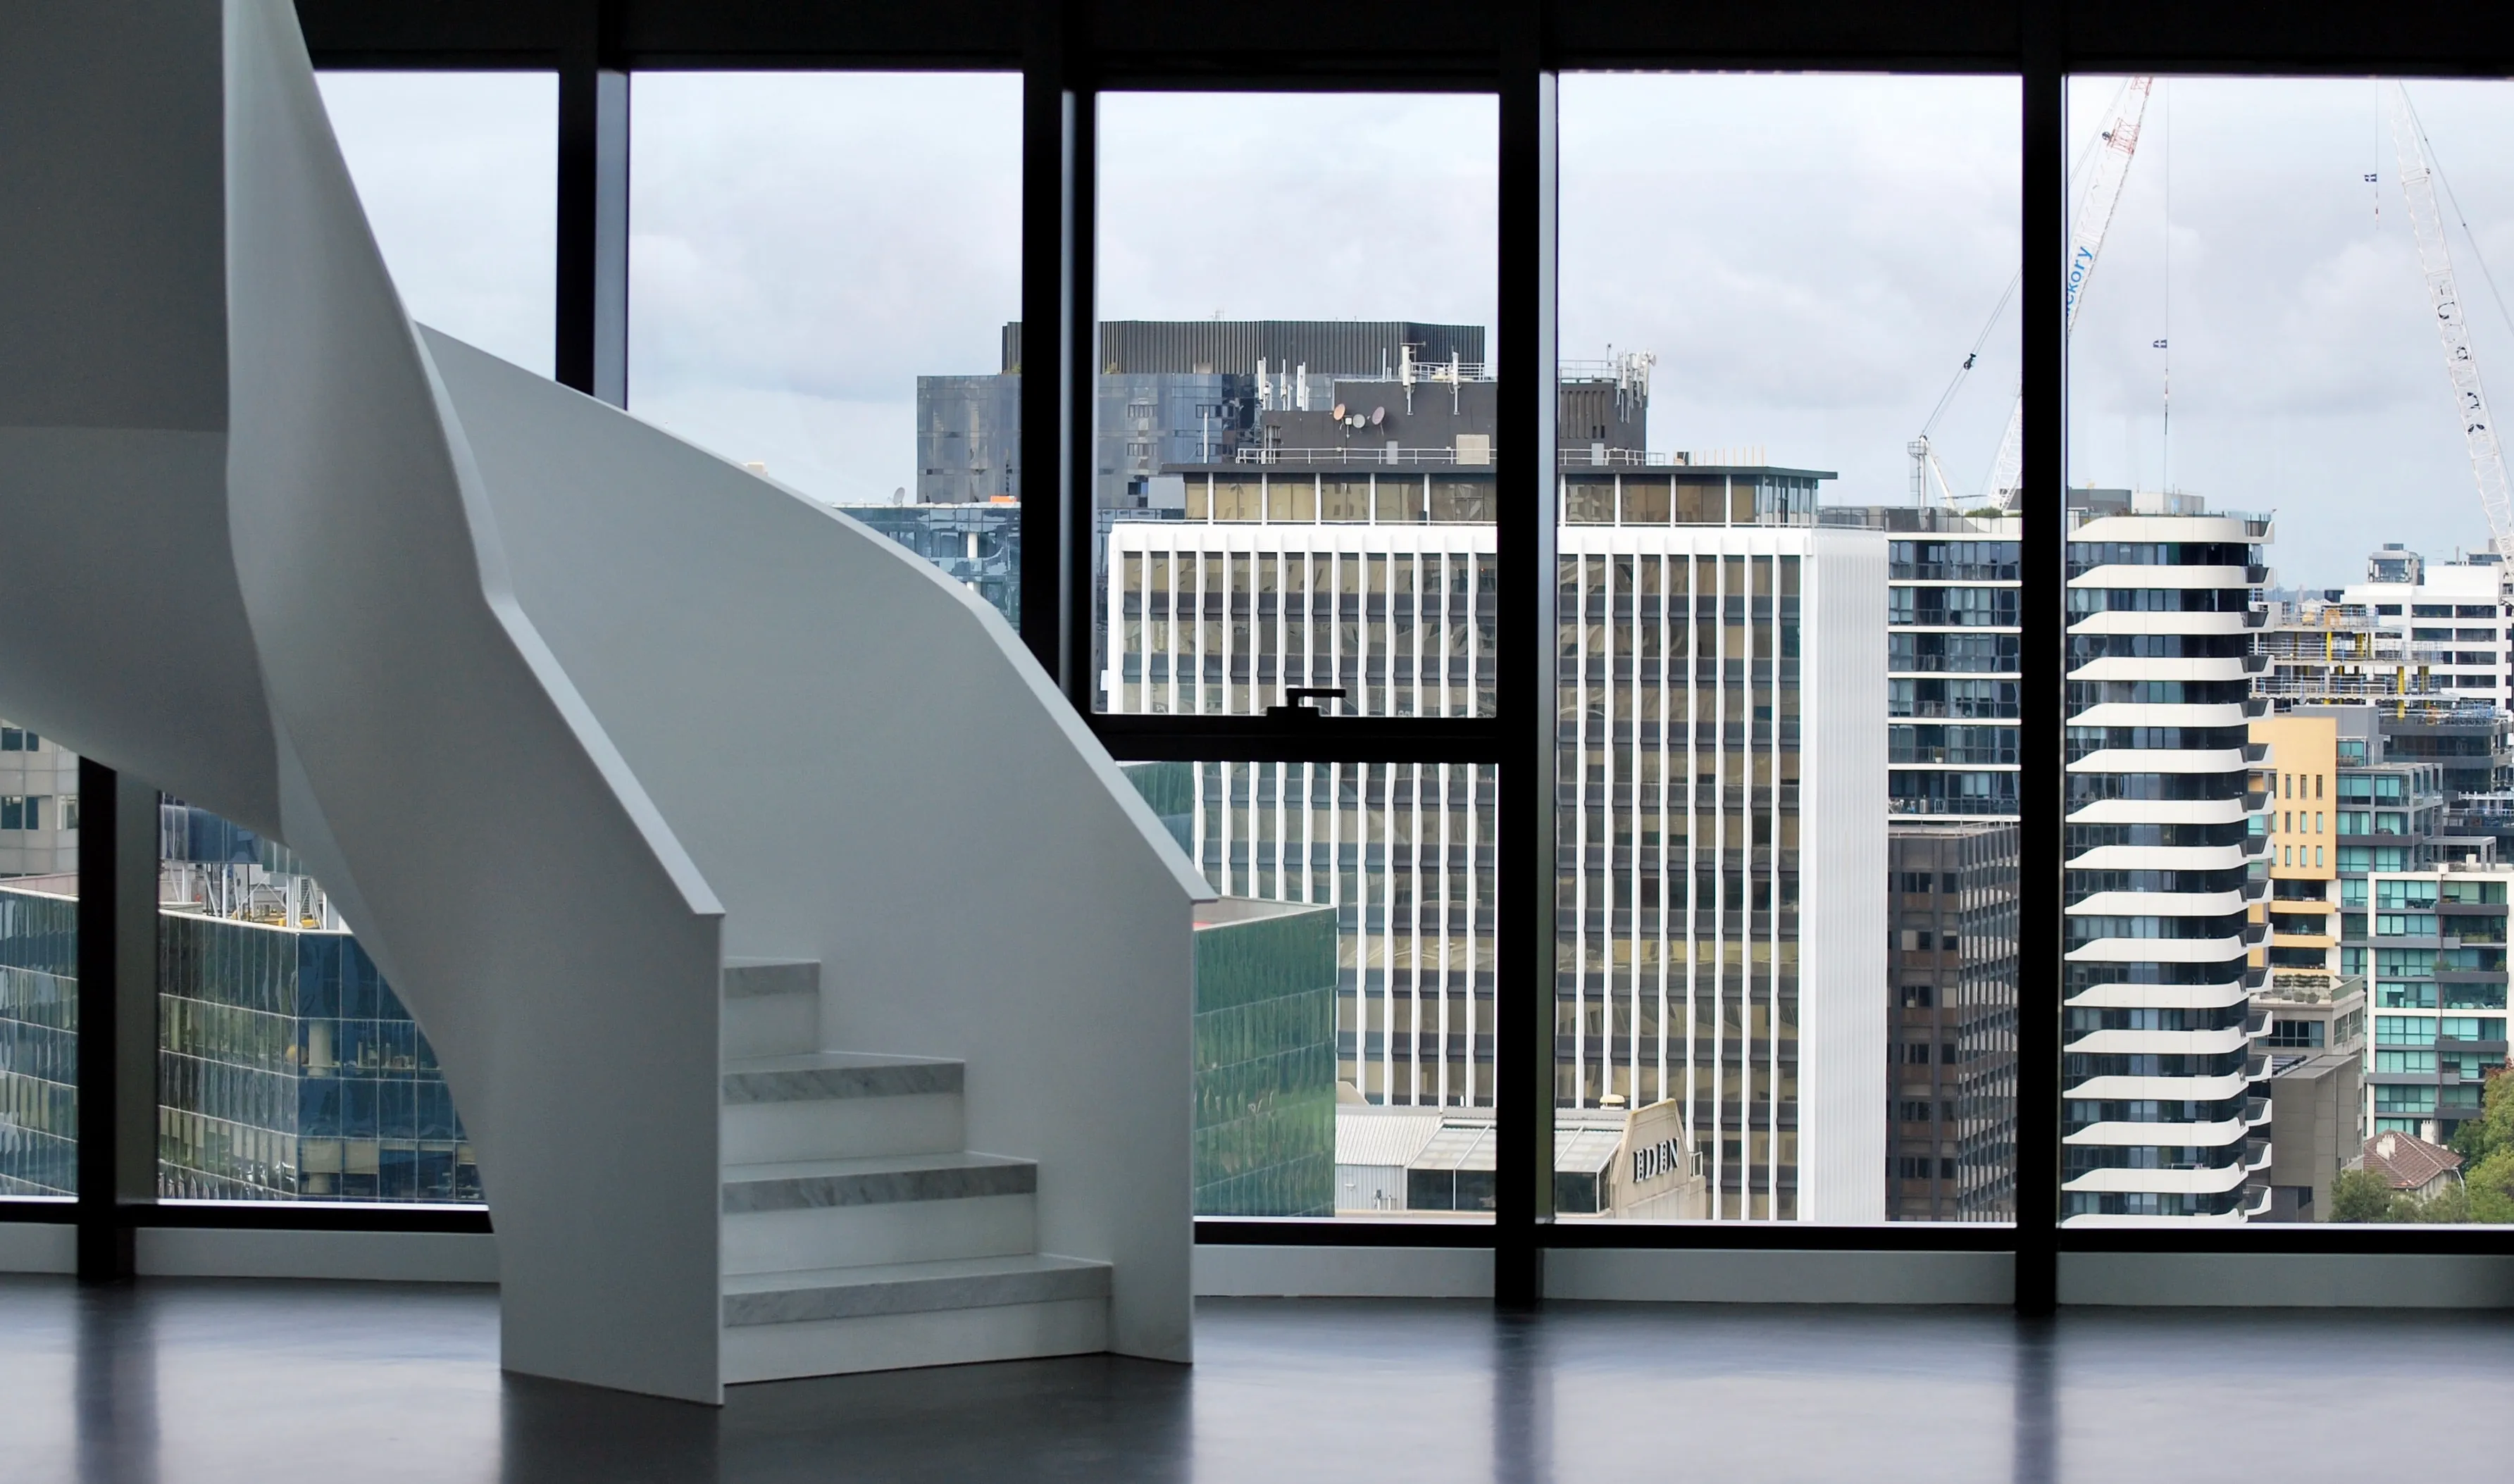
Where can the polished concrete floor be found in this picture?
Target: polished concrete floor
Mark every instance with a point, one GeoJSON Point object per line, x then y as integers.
{"type": "Point", "coordinates": [370, 1384]}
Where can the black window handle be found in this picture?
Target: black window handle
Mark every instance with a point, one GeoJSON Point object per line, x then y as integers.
{"type": "Point", "coordinates": [1294, 696]}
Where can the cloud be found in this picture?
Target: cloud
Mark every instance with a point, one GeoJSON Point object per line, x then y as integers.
{"type": "Point", "coordinates": [1810, 257]}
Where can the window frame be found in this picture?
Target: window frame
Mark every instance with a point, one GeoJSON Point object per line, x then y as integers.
{"type": "Point", "coordinates": [1516, 51]}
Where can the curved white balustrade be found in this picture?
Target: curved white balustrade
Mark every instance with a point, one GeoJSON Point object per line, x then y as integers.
{"type": "Point", "coordinates": [562, 710]}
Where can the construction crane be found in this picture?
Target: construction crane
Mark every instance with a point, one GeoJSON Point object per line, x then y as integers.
{"type": "Point", "coordinates": [2461, 363]}
{"type": "Point", "coordinates": [1925, 469]}
{"type": "Point", "coordinates": [2113, 152]}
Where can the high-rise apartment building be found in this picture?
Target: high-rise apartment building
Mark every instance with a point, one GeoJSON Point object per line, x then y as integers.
{"type": "Point", "coordinates": [1718, 693]}
{"type": "Point", "coordinates": [2437, 952]}
{"type": "Point", "coordinates": [2164, 1113]}
{"type": "Point", "coordinates": [2448, 619]}
{"type": "Point", "coordinates": [1951, 1049]}
{"type": "Point", "coordinates": [1952, 657]}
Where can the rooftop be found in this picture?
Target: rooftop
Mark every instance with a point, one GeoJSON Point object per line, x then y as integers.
{"type": "Point", "coordinates": [2408, 1162]}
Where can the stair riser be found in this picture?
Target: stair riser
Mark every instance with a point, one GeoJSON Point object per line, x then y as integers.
{"type": "Point", "coordinates": [842, 1128]}
{"type": "Point", "coordinates": [893, 1232]}
{"type": "Point", "coordinates": [892, 1341]}
{"type": "Point", "coordinates": [772, 1025]}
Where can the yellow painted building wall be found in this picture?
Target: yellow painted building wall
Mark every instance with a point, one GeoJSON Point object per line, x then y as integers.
{"type": "Point", "coordinates": [2300, 776]}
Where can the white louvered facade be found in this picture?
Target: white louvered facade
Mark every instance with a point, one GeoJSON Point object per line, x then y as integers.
{"type": "Point", "coordinates": [1722, 704]}
{"type": "Point", "coordinates": [2163, 1119]}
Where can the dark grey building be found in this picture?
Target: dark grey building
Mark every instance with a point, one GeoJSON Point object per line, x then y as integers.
{"type": "Point", "coordinates": [968, 439]}
{"type": "Point", "coordinates": [1951, 1079]}
{"type": "Point", "coordinates": [1170, 393]}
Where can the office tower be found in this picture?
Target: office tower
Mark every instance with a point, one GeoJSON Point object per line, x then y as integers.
{"type": "Point", "coordinates": [2164, 1114]}
{"type": "Point", "coordinates": [1718, 688]}
{"type": "Point", "coordinates": [1951, 1049]}
{"type": "Point", "coordinates": [2438, 971]}
{"type": "Point", "coordinates": [287, 1068]}
{"type": "Point", "coordinates": [968, 439]}
{"type": "Point", "coordinates": [38, 1039]}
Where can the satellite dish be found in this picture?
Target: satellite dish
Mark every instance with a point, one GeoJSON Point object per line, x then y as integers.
{"type": "Point", "coordinates": [1378, 415]}
{"type": "Point", "coordinates": [1338, 414]}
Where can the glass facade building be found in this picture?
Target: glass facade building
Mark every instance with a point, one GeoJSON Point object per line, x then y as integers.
{"type": "Point", "coordinates": [287, 1069]}
{"type": "Point", "coordinates": [1265, 1059]}
{"type": "Point", "coordinates": [38, 1043]}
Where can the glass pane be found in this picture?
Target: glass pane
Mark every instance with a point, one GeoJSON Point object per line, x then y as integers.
{"type": "Point", "coordinates": [1786, 984]}
{"type": "Point", "coordinates": [1344, 1022]}
{"type": "Point", "coordinates": [2295, 781]}
{"type": "Point", "coordinates": [287, 1069]}
{"type": "Point", "coordinates": [459, 176]}
{"type": "Point", "coordinates": [820, 268]}
{"type": "Point", "coordinates": [1294, 476]}
{"type": "Point", "coordinates": [39, 815]}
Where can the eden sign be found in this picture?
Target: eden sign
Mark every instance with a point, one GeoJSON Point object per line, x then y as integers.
{"type": "Point", "coordinates": [1652, 1161]}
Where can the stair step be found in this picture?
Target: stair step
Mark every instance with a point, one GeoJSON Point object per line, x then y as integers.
{"type": "Point", "coordinates": [839, 1105]}
{"type": "Point", "coordinates": [772, 1006]}
{"type": "Point", "coordinates": [831, 1075]}
{"type": "Point", "coordinates": [910, 1288]}
{"type": "Point", "coordinates": [796, 1215]}
{"type": "Point", "coordinates": [750, 978]}
{"type": "Point", "coordinates": [959, 1321]}
{"type": "Point", "coordinates": [816, 1183]}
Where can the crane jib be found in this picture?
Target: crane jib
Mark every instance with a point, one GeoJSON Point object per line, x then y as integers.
{"type": "Point", "coordinates": [2079, 268]}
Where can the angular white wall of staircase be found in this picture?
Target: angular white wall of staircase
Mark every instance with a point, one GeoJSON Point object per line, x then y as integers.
{"type": "Point", "coordinates": [814, 990]}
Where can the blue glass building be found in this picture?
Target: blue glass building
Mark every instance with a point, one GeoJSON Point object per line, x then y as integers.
{"type": "Point", "coordinates": [288, 1069]}
{"type": "Point", "coordinates": [38, 1044]}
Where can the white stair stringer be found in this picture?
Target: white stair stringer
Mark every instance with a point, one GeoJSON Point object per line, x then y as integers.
{"type": "Point", "coordinates": [858, 1231]}
{"type": "Point", "coordinates": [666, 756]}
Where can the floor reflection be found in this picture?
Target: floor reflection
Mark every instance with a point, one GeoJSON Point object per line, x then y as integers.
{"type": "Point", "coordinates": [170, 1381]}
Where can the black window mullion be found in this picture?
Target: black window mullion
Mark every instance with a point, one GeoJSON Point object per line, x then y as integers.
{"type": "Point", "coordinates": [104, 1243]}
{"type": "Point", "coordinates": [2040, 948]}
{"type": "Point", "coordinates": [592, 312]}
{"type": "Point", "coordinates": [1057, 166]}
{"type": "Point", "coordinates": [1146, 737]}
{"type": "Point", "coordinates": [1523, 680]}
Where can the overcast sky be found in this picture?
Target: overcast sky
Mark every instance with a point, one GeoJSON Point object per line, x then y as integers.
{"type": "Point", "coordinates": [1810, 257]}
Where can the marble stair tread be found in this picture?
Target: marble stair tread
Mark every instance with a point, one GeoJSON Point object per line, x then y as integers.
{"type": "Point", "coordinates": [814, 1184]}
{"type": "Point", "coordinates": [818, 1075]}
{"type": "Point", "coordinates": [909, 1288]}
{"type": "Point", "coordinates": [752, 978]}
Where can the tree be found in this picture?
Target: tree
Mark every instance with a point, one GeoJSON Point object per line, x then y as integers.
{"type": "Point", "coordinates": [2494, 1129]}
{"type": "Point", "coordinates": [2449, 1206]}
{"type": "Point", "coordinates": [2491, 1185]}
{"type": "Point", "coordinates": [2360, 1195]}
